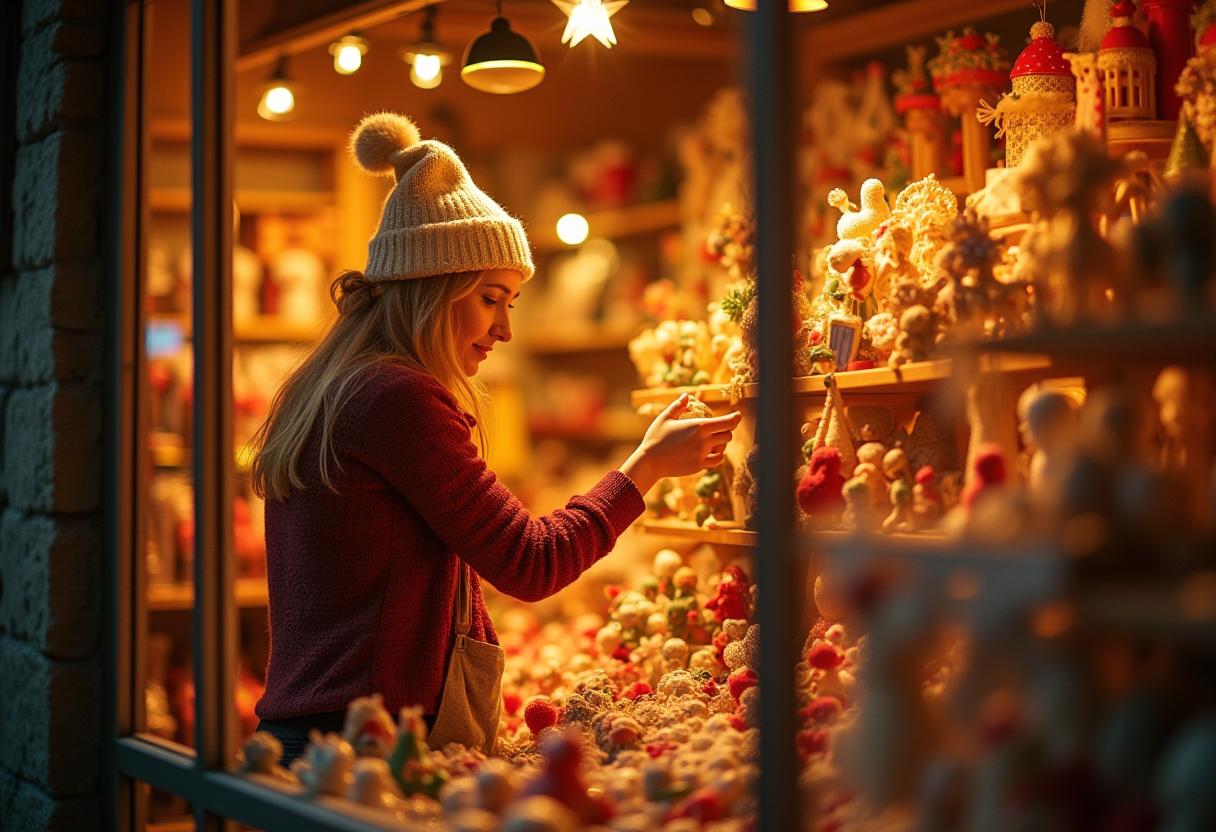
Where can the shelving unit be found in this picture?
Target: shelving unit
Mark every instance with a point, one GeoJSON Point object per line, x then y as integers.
{"type": "Point", "coordinates": [178, 200]}
{"type": "Point", "coordinates": [612, 427]}
{"type": "Point", "coordinates": [909, 381]}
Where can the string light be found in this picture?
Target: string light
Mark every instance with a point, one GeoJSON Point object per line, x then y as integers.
{"type": "Point", "coordinates": [572, 229]}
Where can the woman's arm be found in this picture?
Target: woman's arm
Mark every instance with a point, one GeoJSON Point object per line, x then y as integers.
{"type": "Point", "coordinates": [417, 437]}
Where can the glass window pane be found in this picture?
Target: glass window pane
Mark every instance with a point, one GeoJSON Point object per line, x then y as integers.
{"type": "Point", "coordinates": [166, 489]}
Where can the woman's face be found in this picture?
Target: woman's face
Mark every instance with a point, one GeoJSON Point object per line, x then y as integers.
{"type": "Point", "coordinates": [483, 317]}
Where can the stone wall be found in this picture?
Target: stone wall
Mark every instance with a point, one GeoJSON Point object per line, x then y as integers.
{"type": "Point", "coordinates": [51, 398]}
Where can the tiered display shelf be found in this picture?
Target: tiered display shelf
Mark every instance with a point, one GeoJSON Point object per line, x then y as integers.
{"type": "Point", "coordinates": [909, 381]}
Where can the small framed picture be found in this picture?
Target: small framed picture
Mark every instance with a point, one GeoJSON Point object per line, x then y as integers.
{"type": "Point", "coordinates": [844, 337]}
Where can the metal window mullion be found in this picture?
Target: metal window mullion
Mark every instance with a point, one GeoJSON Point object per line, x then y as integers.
{"type": "Point", "coordinates": [126, 451]}
{"type": "Point", "coordinates": [770, 77]}
{"type": "Point", "coordinates": [212, 55]}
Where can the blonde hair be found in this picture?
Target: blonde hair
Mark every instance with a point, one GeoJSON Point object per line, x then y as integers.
{"type": "Point", "coordinates": [404, 322]}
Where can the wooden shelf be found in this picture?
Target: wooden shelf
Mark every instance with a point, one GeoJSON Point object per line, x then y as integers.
{"type": "Point", "coordinates": [617, 223]}
{"type": "Point", "coordinates": [909, 381]}
{"type": "Point", "coordinates": [1190, 340]}
{"type": "Point", "coordinates": [246, 592]}
{"type": "Point", "coordinates": [261, 329]}
{"type": "Point", "coordinates": [579, 339]}
{"type": "Point", "coordinates": [177, 455]}
{"type": "Point", "coordinates": [249, 201]}
{"type": "Point", "coordinates": [731, 536]}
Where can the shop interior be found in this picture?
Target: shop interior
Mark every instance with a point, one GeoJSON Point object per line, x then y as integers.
{"type": "Point", "coordinates": [1006, 469]}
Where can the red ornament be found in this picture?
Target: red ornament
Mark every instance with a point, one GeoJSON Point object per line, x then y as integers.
{"type": "Point", "coordinates": [636, 690]}
{"type": "Point", "coordinates": [511, 700]}
{"type": "Point", "coordinates": [819, 492]}
{"type": "Point", "coordinates": [539, 714]}
{"type": "Point", "coordinates": [822, 710]}
{"type": "Point", "coordinates": [1169, 33]}
{"type": "Point", "coordinates": [824, 656]}
{"type": "Point", "coordinates": [988, 472]}
{"type": "Point", "coordinates": [731, 599]}
{"type": "Point", "coordinates": [741, 680]}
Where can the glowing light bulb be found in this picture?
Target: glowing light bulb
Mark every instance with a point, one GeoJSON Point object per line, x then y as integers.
{"type": "Point", "coordinates": [277, 102]}
{"type": "Point", "coordinates": [572, 229]}
{"type": "Point", "coordinates": [348, 54]}
{"type": "Point", "coordinates": [348, 59]}
{"type": "Point", "coordinates": [426, 71]}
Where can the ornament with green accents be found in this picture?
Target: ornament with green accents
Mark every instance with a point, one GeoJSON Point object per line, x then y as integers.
{"type": "Point", "coordinates": [1187, 156]}
{"type": "Point", "coordinates": [410, 761]}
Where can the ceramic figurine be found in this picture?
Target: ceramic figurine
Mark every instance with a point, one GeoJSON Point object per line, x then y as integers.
{"type": "Point", "coordinates": [901, 519]}
{"type": "Point", "coordinates": [819, 492]}
{"type": "Point", "coordinates": [1051, 424]}
{"type": "Point", "coordinates": [261, 754]}
{"type": "Point", "coordinates": [410, 761]}
{"type": "Point", "coordinates": [326, 765]}
{"type": "Point", "coordinates": [372, 785]}
{"type": "Point", "coordinates": [369, 729]}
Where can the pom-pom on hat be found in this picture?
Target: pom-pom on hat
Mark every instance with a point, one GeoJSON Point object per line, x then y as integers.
{"type": "Point", "coordinates": [436, 220]}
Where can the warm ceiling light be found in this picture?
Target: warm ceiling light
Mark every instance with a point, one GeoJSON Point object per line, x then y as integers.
{"type": "Point", "coordinates": [501, 61]}
{"type": "Point", "coordinates": [278, 94]}
{"type": "Point", "coordinates": [426, 57]}
{"type": "Point", "coordinates": [572, 229]}
{"type": "Point", "coordinates": [348, 54]}
{"type": "Point", "coordinates": [795, 5]}
{"type": "Point", "coordinates": [589, 17]}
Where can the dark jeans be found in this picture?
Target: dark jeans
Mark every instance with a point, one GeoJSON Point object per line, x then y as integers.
{"type": "Point", "coordinates": [293, 733]}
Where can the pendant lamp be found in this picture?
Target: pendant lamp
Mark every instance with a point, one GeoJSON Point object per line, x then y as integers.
{"type": "Point", "coordinates": [501, 61]}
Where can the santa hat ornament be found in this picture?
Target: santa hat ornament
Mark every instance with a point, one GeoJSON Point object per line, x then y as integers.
{"type": "Point", "coordinates": [1043, 100]}
{"type": "Point", "coordinates": [1129, 66]}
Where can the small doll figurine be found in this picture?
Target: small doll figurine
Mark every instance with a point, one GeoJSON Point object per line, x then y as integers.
{"type": "Point", "coordinates": [326, 765]}
{"type": "Point", "coordinates": [819, 492]}
{"type": "Point", "coordinates": [261, 756]}
{"type": "Point", "coordinates": [900, 519]}
{"type": "Point", "coordinates": [732, 597]}
{"type": "Point", "coordinates": [369, 728]}
{"type": "Point", "coordinates": [410, 761]}
{"type": "Point", "coordinates": [859, 502]}
{"type": "Point", "coordinates": [372, 785]}
{"type": "Point", "coordinates": [926, 500]}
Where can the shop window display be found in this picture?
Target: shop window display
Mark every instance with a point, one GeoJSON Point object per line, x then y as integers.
{"type": "Point", "coordinates": [1004, 473]}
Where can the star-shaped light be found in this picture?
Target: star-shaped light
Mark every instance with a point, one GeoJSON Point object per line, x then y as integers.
{"type": "Point", "coordinates": [589, 17]}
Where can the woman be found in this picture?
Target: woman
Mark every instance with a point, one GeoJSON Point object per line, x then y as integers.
{"type": "Point", "coordinates": [380, 512]}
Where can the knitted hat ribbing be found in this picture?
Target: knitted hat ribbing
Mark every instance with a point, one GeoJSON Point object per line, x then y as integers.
{"type": "Point", "coordinates": [435, 221]}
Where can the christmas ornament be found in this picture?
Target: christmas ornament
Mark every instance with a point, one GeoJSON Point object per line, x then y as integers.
{"type": "Point", "coordinates": [921, 108]}
{"type": "Point", "coordinates": [1130, 67]}
{"type": "Point", "coordinates": [968, 69]}
{"type": "Point", "coordinates": [1187, 153]}
{"type": "Point", "coordinates": [1169, 34]}
{"type": "Point", "coordinates": [589, 17]}
{"type": "Point", "coordinates": [1042, 102]}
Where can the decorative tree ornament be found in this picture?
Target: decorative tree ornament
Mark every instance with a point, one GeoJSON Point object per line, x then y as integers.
{"type": "Point", "coordinates": [921, 108]}
{"type": "Point", "coordinates": [968, 69]}
{"type": "Point", "coordinates": [1187, 153]}
{"type": "Point", "coordinates": [590, 17]}
{"type": "Point", "coordinates": [1043, 99]}
{"type": "Point", "coordinates": [1130, 68]}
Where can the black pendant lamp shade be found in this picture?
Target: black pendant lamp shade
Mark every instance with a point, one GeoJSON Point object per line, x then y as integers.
{"type": "Point", "coordinates": [501, 61]}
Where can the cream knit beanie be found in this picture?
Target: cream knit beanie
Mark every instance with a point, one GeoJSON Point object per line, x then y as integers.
{"type": "Point", "coordinates": [435, 221]}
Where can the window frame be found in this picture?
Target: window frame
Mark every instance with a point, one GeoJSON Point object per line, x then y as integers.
{"type": "Point", "coordinates": [218, 797]}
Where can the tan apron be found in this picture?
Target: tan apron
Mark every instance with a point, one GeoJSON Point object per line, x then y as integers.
{"type": "Point", "coordinates": [471, 706]}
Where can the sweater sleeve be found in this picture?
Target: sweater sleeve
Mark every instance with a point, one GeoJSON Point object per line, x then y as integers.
{"type": "Point", "coordinates": [415, 435]}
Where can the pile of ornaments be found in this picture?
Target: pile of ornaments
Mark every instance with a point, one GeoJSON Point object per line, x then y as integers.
{"type": "Point", "coordinates": [643, 719]}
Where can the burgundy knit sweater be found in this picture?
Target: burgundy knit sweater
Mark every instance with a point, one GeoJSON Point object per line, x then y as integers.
{"type": "Point", "coordinates": [363, 582]}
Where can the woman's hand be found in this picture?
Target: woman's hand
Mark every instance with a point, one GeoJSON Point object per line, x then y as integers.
{"type": "Point", "coordinates": [674, 447]}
